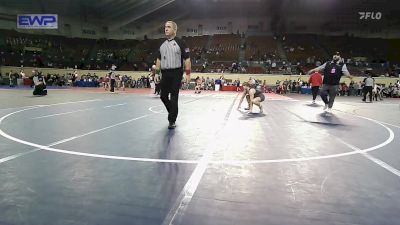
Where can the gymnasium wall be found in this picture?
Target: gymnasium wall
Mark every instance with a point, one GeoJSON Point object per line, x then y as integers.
{"type": "Point", "coordinates": [74, 27]}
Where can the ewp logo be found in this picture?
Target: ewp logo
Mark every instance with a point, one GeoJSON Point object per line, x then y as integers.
{"type": "Point", "coordinates": [37, 21]}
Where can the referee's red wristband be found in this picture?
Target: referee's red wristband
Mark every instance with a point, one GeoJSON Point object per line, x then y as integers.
{"type": "Point", "coordinates": [187, 72]}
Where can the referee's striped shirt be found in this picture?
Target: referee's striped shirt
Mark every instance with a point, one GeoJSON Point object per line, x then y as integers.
{"type": "Point", "coordinates": [172, 53]}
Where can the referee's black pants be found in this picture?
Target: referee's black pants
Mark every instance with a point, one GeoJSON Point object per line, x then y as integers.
{"type": "Point", "coordinates": [112, 85]}
{"type": "Point", "coordinates": [170, 84]}
{"type": "Point", "coordinates": [367, 90]}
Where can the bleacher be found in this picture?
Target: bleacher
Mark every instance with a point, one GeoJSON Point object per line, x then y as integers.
{"type": "Point", "coordinates": [106, 52]}
{"type": "Point", "coordinates": [224, 47]}
{"type": "Point", "coordinates": [146, 50]}
{"type": "Point", "coordinates": [260, 48]}
{"type": "Point", "coordinates": [300, 47]}
{"type": "Point", "coordinates": [394, 50]}
{"type": "Point", "coordinates": [36, 50]}
{"type": "Point", "coordinates": [197, 45]}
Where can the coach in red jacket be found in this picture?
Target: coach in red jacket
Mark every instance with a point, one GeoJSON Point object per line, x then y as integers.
{"type": "Point", "coordinates": [315, 82]}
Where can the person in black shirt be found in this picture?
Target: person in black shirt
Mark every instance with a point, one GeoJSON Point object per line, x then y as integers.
{"type": "Point", "coordinates": [172, 58]}
{"type": "Point", "coordinates": [112, 78]}
{"type": "Point", "coordinates": [39, 84]}
{"type": "Point", "coordinates": [333, 71]}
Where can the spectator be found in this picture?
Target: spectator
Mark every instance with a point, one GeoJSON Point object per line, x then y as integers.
{"type": "Point", "coordinates": [315, 81]}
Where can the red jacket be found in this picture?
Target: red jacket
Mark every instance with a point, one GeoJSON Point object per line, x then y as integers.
{"type": "Point", "coordinates": [315, 79]}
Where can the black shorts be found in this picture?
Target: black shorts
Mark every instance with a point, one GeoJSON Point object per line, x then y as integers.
{"type": "Point", "coordinates": [40, 90]}
{"type": "Point", "coordinates": [261, 96]}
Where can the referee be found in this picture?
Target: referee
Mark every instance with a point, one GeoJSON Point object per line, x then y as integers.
{"type": "Point", "coordinates": [173, 53]}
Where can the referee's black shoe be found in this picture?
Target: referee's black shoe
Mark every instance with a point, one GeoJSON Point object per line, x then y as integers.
{"type": "Point", "coordinates": [171, 125]}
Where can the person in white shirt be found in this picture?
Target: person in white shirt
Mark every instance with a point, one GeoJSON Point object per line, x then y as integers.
{"type": "Point", "coordinates": [369, 83]}
{"type": "Point", "coordinates": [22, 74]}
{"type": "Point", "coordinates": [377, 92]}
